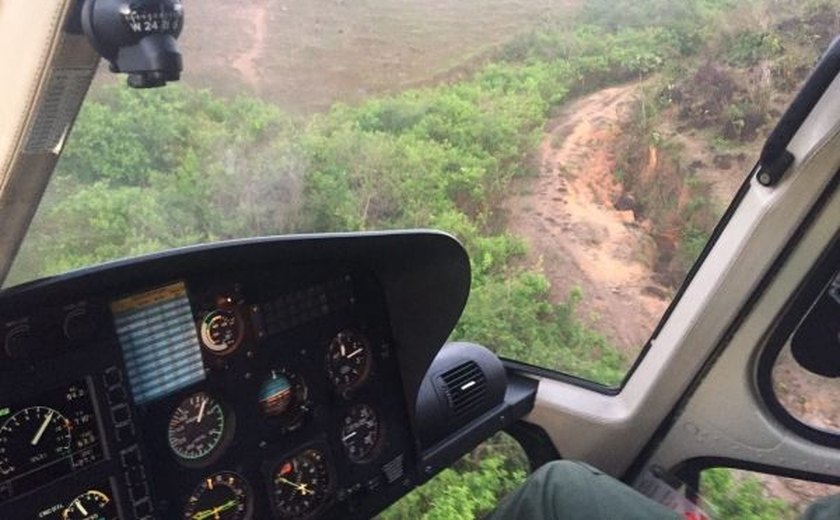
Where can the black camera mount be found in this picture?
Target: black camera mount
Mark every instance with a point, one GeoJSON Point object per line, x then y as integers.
{"type": "Point", "coordinates": [137, 37]}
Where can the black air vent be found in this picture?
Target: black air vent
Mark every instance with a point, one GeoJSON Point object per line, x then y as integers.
{"type": "Point", "coordinates": [465, 387]}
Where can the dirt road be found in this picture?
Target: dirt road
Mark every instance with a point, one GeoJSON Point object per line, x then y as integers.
{"type": "Point", "coordinates": [576, 235]}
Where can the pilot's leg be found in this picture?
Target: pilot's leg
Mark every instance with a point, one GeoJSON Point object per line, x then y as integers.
{"type": "Point", "coordinates": [824, 509]}
{"type": "Point", "coordinates": [566, 490]}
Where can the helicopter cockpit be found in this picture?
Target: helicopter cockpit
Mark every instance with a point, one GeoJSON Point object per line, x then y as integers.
{"type": "Point", "coordinates": [309, 376]}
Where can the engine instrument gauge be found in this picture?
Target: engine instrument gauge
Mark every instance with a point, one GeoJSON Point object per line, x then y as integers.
{"type": "Point", "coordinates": [302, 484]}
{"type": "Point", "coordinates": [90, 505]}
{"type": "Point", "coordinates": [284, 396]}
{"type": "Point", "coordinates": [198, 429]}
{"type": "Point", "coordinates": [221, 496]}
{"type": "Point", "coordinates": [348, 360]}
{"type": "Point", "coordinates": [222, 331]}
{"type": "Point", "coordinates": [33, 438]}
{"type": "Point", "coordinates": [361, 432]}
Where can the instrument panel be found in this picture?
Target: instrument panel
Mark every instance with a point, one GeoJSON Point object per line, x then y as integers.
{"type": "Point", "coordinates": [205, 391]}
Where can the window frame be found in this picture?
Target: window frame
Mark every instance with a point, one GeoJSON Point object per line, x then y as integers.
{"type": "Point", "coordinates": [821, 274]}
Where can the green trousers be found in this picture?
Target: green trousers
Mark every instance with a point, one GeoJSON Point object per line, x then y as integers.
{"type": "Point", "coordinates": [565, 490]}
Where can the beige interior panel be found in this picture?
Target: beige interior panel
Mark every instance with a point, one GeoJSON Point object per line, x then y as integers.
{"type": "Point", "coordinates": [50, 72]}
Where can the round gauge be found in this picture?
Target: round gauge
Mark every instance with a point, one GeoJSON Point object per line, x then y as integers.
{"type": "Point", "coordinates": [348, 360]}
{"type": "Point", "coordinates": [222, 331]}
{"type": "Point", "coordinates": [284, 395]}
{"type": "Point", "coordinates": [32, 438]}
{"type": "Point", "coordinates": [360, 432]}
{"type": "Point", "coordinates": [90, 505]}
{"type": "Point", "coordinates": [302, 484]}
{"type": "Point", "coordinates": [221, 496]}
{"type": "Point", "coordinates": [198, 428]}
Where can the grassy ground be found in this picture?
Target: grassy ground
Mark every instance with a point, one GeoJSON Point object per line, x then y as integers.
{"type": "Point", "coordinates": [304, 55]}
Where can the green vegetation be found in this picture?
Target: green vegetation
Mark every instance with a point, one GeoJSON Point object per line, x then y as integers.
{"type": "Point", "coordinates": [470, 488]}
{"type": "Point", "coordinates": [146, 171]}
{"type": "Point", "coordinates": [740, 497]}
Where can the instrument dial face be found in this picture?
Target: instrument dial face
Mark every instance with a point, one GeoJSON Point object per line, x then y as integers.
{"type": "Point", "coordinates": [302, 484]}
{"type": "Point", "coordinates": [349, 360]}
{"type": "Point", "coordinates": [221, 496]}
{"type": "Point", "coordinates": [284, 396]}
{"type": "Point", "coordinates": [198, 428]}
{"type": "Point", "coordinates": [361, 432]}
{"type": "Point", "coordinates": [222, 331]}
{"type": "Point", "coordinates": [33, 438]}
{"type": "Point", "coordinates": [90, 505]}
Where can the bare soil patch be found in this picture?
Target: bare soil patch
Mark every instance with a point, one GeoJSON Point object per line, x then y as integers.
{"type": "Point", "coordinates": [577, 236]}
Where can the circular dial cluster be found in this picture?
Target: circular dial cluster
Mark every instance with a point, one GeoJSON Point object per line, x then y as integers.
{"type": "Point", "coordinates": [32, 438]}
{"type": "Point", "coordinates": [90, 505]}
{"type": "Point", "coordinates": [222, 331]}
{"type": "Point", "coordinates": [198, 428]}
{"type": "Point", "coordinates": [221, 496]}
{"type": "Point", "coordinates": [348, 360]}
{"type": "Point", "coordinates": [284, 396]}
{"type": "Point", "coordinates": [302, 484]}
{"type": "Point", "coordinates": [361, 431]}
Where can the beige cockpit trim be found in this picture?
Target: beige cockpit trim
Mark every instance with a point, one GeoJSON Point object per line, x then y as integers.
{"type": "Point", "coordinates": [32, 47]}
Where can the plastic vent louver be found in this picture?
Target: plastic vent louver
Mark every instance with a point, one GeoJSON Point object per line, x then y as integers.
{"type": "Point", "coordinates": [465, 387]}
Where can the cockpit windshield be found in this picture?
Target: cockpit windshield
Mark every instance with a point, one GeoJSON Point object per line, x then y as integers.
{"type": "Point", "coordinates": [581, 150]}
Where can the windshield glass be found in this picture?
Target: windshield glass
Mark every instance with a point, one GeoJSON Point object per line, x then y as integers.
{"type": "Point", "coordinates": [581, 150]}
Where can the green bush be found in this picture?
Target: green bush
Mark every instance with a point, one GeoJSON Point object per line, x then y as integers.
{"type": "Point", "coordinates": [470, 489]}
{"type": "Point", "coordinates": [741, 497]}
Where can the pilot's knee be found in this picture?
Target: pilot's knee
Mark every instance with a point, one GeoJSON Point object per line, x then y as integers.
{"type": "Point", "coordinates": [566, 486]}
{"type": "Point", "coordinates": [564, 471]}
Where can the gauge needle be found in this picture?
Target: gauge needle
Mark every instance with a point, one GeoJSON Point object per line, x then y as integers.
{"type": "Point", "coordinates": [42, 429]}
{"type": "Point", "coordinates": [299, 487]}
{"type": "Point", "coordinates": [349, 436]}
{"type": "Point", "coordinates": [207, 513]}
{"type": "Point", "coordinates": [354, 353]}
{"type": "Point", "coordinates": [201, 410]}
{"type": "Point", "coordinates": [81, 508]}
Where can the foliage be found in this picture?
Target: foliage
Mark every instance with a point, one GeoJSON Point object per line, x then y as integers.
{"type": "Point", "coordinates": [514, 317]}
{"type": "Point", "coordinates": [471, 488]}
{"type": "Point", "coordinates": [740, 497]}
{"type": "Point", "coordinates": [748, 47]}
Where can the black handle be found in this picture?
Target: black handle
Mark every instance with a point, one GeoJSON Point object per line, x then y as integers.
{"type": "Point", "coordinates": [775, 159]}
